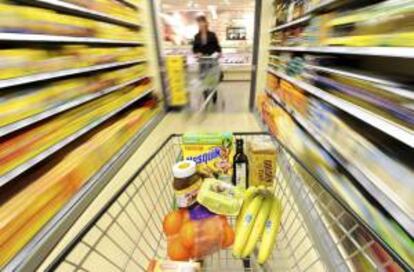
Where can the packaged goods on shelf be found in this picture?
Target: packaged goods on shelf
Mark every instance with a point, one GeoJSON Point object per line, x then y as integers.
{"type": "Point", "coordinates": [16, 150]}
{"type": "Point", "coordinates": [24, 62]}
{"type": "Point", "coordinates": [29, 101]}
{"type": "Point", "coordinates": [115, 8]}
{"type": "Point", "coordinates": [381, 24]}
{"type": "Point", "coordinates": [27, 207]}
{"type": "Point", "coordinates": [31, 20]}
{"type": "Point", "coordinates": [319, 162]}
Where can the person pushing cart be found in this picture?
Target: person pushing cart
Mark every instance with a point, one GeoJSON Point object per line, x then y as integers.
{"type": "Point", "coordinates": [208, 51]}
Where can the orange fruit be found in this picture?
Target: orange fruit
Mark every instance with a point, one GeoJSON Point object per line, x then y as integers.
{"type": "Point", "coordinates": [172, 223]}
{"type": "Point", "coordinates": [177, 251]}
{"type": "Point", "coordinates": [228, 237]}
{"type": "Point", "coordinates": [188, 234]}
{"type": "Point", "coordinates": [185, 214]}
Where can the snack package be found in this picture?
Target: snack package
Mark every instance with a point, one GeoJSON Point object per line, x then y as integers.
{"type": "Point", "coordinates": [262, 162]}
{"type": "Point", "coordinates": [213, 153]}
{"type": "Point", "coordinates": [220, 197]}
{"type": "Point", "coordinates": [173, 266]}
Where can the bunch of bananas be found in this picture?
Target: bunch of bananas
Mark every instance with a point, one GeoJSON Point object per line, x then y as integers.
{"type": "Point", "coordinates": [259, 217]}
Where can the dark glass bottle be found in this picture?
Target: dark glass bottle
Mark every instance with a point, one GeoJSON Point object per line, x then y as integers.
{"type": "Point", "coordinates": [240, 166]}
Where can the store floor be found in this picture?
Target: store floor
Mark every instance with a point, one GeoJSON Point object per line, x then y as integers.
{"type": "Point", "coordinates": [172, 123]}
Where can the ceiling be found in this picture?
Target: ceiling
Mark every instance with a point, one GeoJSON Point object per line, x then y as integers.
{"type": "Point", "coordinates": [203, 4]}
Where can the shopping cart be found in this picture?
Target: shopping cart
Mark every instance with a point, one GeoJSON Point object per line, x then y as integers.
{"type": "Point", "coordinates": [317, 233]}
{"type": "Point", "coordinates": [205, 84]}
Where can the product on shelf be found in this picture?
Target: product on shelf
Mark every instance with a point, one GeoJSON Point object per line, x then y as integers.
{"type": "Point", "coordinates": [28, 205]}
{"type": "Point", "coordinates": [21, 19]}
{"type": "Point", "coordinates": [220, 197]}
{"type": "Point", "coordinates": [30, 101]}
{"type": "Point", "coordinates": [25, 62]}
{"type": "Point", "coordinates": [381, 24]}
{"type": "Point", "coordinates": [18, 149]}
{"type": "Point", "coordinates": [262, 157]}
{"type": "Point", "coordinates": [213, 153]}
{"type": "Point", "coordinates": [186, 184]}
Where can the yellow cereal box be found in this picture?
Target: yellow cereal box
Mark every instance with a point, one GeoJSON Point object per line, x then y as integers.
{"type": "Point", "coordinates": [213, 153]}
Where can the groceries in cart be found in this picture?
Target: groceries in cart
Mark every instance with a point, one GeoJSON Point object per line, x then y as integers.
{"type": "Point", "coordinates": [213, 153]}
{"type": "Point", "coordinates": [210, 213]}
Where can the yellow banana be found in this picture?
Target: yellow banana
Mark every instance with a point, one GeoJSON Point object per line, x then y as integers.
{"type": "Point", "coordinates": [258, 226]}
{"type": "Point", "coordinates": [246, 225]}
{"type": "Point", "coordinates": [270, 231]}
{"type": "Point", "coordinates": [248, 197]}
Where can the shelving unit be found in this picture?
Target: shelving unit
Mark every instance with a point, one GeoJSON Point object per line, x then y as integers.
{"type": "Point", "coordinates": [43, 242]}
{"type": "Point", "coordinates": [53, 149]}
{"type": "Point", "coordinates": [373, 187]}
{"type": "Point", "coordinates": [345, 108]}
{"type": "Point", "coordinates": [67, 106]}
{"type": "Point", "coordinates": [398, 132]}
{"type": "Point", "coordinates": [77, 10]}
{"type": "Point", "coordinates": [389, 52]}
{"type": "Point", "coordinates": [70, 72]}
{"type": "Point", "coordinates": [28, 248]}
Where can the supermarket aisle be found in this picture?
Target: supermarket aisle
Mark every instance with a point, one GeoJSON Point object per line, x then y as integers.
{"type": "Point", "coordinates": [172, 123]}
{"type": "Point", "coordinates": [234, 96]}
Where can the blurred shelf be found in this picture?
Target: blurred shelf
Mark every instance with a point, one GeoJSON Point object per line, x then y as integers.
{"type": "Point", "coordinates": [6, 178]}
{"type": "Point", "coordinates": [78, 10]}
{"type": "Point", "coordinates": [7, 83]}
{"type": "Point", "coordinates": [387, 84]}
{"type": "Point", "coordinates": [40, 246]}
{"type": "Point", "coordinates": [400, 133]}
{"type": "Point", "coordinates": [39, 38]}
{"type": "Point", "coordinates": [295, 22]}
{"type": "Point", "coordinates": [374, 187]}
{"type": "Point", "coordinates": [389, 52]}
{"type": "Point", "coordinates": [5, 130]}
{"type": "Point", "coordinates": [129, 4]}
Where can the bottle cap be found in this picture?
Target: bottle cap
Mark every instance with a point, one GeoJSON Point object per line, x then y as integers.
{"type": "Point", "coordinates": [184, 169]}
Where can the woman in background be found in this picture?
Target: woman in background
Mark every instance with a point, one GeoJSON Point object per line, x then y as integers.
{"type": "Point", "coordinates": [206, 44]}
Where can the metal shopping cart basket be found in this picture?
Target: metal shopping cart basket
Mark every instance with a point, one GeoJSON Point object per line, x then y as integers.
{"type": "Point", "coordinates": [204, 82]}
{"type": "Point", "coordinates": [317, 233]}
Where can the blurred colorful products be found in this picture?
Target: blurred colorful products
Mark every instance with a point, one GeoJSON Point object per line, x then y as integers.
{"type": "Point", "coordinates": [27, 206]}
{"type": "Point", "coordinates": [21, 62]}
{"type": "Point", "coordinates": [30, 101]}
{"type": "Point", "coordinates": [32, 20]}
{"type": "Point", "coordinates": [18, 149]}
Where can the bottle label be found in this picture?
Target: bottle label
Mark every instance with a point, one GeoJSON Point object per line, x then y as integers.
{"type": "Point", "coordinates": [188, 196]}
{"type": "Point", "coordinates": [241, 175]}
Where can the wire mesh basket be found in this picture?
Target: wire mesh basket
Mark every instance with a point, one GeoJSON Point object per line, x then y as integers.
{"type": "Point", "coordinates": [316, 233]}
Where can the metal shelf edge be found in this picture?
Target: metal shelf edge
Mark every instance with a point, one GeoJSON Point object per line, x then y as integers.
{"type": "Point", "coordinates": [38, 248]}
{"type": "Point", "coordinates": [390, 128]}
{"type": "Point", "coordinates": [397, 52]}
{"type": "Point", "coordinates": [17, 37]}
{"type": "Point", "coordinates": [8, 83]}
{"type": "Point", "coordinates": [6, 178]}
{"type": "Point", "coordinates": [298, 21]}
{"type": "Point", "coordinates": [67, 106]}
